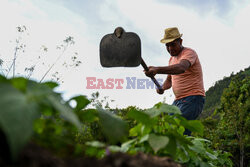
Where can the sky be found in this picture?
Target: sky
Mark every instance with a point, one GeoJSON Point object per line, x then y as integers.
{"type": "Point", "coordinates": [217, 30]}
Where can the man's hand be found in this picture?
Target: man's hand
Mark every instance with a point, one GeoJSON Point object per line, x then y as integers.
{"type": "Point", "coordinates": [152, 71]}
{"type": "Point", "coordinates": [160, 91]}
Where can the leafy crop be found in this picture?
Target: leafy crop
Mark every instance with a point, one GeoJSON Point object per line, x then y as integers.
{"type": "Point", "coordinates": [159, 131]}
{"type": "Point", "coordinates": [32, 111]}
{"type": "Point", "coordinates": [28, 107]}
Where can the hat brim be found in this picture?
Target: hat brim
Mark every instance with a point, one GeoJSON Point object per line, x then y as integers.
{"type": "Point", "coordinates": [170, 40]}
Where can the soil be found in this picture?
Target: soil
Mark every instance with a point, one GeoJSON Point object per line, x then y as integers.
{"type": "Point", "coordinates": [36, 156]}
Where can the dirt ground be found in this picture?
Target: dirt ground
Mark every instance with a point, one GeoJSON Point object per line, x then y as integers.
{"type": "Point", "coordinates": [36, 156]}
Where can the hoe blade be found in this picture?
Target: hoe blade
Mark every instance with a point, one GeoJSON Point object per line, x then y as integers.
{"type": "Point", "coordinates": [122, 51]}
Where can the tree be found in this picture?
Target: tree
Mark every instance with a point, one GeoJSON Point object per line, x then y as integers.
{"type": "Point", "coordinates": [233, 129]}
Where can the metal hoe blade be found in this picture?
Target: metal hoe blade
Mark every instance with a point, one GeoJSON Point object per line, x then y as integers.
{"type": "Point", "coordinates": [120, 50]}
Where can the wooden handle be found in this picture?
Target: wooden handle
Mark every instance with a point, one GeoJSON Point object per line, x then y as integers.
{"type": "Point", "coordinates": [153, 78]}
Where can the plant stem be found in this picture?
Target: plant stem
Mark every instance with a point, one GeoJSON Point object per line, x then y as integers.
{"type": "Point", "coordinates": [14, 61]}
{"type": "Point", "coordinates": [53, 63]}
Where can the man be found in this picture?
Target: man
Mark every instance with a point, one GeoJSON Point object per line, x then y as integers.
{"type": "Point", "coordinates": [184, 76]}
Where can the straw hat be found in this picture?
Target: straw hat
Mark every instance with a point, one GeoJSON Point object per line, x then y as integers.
{"type": "Point", "coordinates": [171, 34]}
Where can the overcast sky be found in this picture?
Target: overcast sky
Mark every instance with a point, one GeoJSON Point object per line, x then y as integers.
{"type": "Point", "coordinates": [217, 29]}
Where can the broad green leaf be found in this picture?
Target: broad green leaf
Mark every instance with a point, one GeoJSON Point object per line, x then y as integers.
{"type": "Point", "coordinates": [145, 130]}
{"type": "Point", "coordinates": [170, 109]}
{"type": "Point", "coordinates": [81, 102]}
{"type": "Point", "coordinates": [125, 146]}
{"type": "Point", "coordinates": [200, 139]}
{"type": "Point", "coordinates": [19, 83]}
{"type": "Point", "coordinates": [139, 130]}
{"type": "Point", "coordinates": [153, 112]}
{"type": "Point", "coordinates": [144, 138]}
{"type": "Point", "coordinates": [39, 92]}
{"type": "Point", "coordinates": [97, 144]}
{"type": "Point", "coordinates": [157, 142]}
{"type": "Point", "coordinates": [213, 157]}
{"type": "Point", "coordinates": [196, 126]}
{"type": "Point", "coordinates": [16, 117]}
{"type": "Point", "coordinates": [198, 147]}
{"type": "Point", "coordinates": [136, 130]}
{"type": "Point", "coordinates": [113, 127]}
{"type": "Point", "coordinates": [50, 84]}
{"type": "Point", "coordinates": [162, 108]}
{"type": "Point", "coordinates": [158, 105]}
{"type": "Point", "coordinates": [65, 111]}
{"type": "Point", "coordinates": [181, 130]}
{"type": "Point", "coordinates": [114, 148]}
{"type": "Point", "coordinates": [192, 125]}
{"type": "Point", "coordinates": [142, 117]}
{"type": "Point", "coordinates": [44, 95]}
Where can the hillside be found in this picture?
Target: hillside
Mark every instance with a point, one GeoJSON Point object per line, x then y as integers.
{"type": "Point", "coordinates": [213, 94]}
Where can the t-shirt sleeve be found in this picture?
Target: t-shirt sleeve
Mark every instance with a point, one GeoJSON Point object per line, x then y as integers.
{"type": "Point", "coordinates": [190, 55]}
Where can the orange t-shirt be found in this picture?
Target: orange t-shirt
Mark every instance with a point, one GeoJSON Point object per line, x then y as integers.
{"type": "Point", "coordinates": [191, 81]}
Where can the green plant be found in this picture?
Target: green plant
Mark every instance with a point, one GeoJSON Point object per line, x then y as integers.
{"type": "Point", "coordinates": [33, 110]}
{"type": "Point", "coordinates": [22, 101]}
{"type": "Point", "coordinates": [159, 131]}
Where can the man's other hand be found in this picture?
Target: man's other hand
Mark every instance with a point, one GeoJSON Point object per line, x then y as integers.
{"type": "Point", "coordinates": [152, 71]}
{"type": "Point", "coordinates": [160, 91]}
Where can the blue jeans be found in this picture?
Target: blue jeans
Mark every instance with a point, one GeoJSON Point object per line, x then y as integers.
{"type": "Point", "coordinates": [191, 107]}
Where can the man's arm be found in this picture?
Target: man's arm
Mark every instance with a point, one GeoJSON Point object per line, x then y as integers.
{"type": "Point", "coordinates": [166, 85]}
{"type": "Point", "coordinates": [172, 69]}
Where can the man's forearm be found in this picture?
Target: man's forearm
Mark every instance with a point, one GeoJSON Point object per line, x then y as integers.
{"type": "Point", "coordinates": [167, 83]}
{"type": "Point", "coordinates": [173, 69]}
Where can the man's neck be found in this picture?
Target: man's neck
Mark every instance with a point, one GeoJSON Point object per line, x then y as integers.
{"type": "Point", "coordinates": [182, 47]}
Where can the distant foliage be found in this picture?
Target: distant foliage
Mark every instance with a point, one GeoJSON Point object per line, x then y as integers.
{"type": "Point", "coordinates": [214, 93]}
{"type": "Point", "coordinates": [231, 132]}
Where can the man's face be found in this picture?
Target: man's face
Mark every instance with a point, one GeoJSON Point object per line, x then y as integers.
{"type": "Point", "coordinates": [174, 48]}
